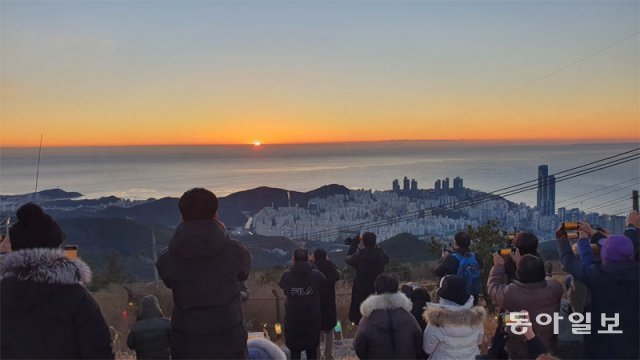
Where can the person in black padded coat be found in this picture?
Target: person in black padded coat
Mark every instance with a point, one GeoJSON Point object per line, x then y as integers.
{"type": "Point", "coordinates": [151, 334]}
{"type": "Point", "coordinates": [369, 262]}
{"type": "Point", "coordinates": [46, 312]}
{"type": "Point", "coordinates": [327, 298]}
{"type": "Point", "coordinates": [301, 284]}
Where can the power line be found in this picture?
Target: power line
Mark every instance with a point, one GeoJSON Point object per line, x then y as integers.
{"type": "Point", "coordinates": [571, 173]}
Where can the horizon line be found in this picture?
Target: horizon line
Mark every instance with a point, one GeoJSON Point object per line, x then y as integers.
{"type": "Point", "coordinates": [263, 144]}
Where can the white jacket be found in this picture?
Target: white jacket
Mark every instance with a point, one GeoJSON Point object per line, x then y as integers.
{"type": "Point", "coordinates": [453, 331]}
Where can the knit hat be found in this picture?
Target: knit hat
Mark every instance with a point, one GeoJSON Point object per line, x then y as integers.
{"type": "Point", "coordinates": [34, 229]}
{"type": "Point", "coordinates": [530, 269]}
{"type": "Point", "coordinates": [616, 248]}
{"type": "Point", "coordinates": [454, 288]}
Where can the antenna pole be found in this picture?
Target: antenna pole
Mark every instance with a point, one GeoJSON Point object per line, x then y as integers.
{"type": "Point", "coordinates": [35, 193]}
{"type": "Point", "coordinates": [154, 255]}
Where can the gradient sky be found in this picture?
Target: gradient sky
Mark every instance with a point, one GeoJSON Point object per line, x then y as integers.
{"type": "Point", "coordinates": [114, 73]}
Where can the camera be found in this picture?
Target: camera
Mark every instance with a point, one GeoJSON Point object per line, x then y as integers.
{"type": "Point", "coordinates": [351, 240]}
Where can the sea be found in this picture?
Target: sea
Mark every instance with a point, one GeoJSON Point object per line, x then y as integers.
{"type": "Point", "coordinates": [141, 172]}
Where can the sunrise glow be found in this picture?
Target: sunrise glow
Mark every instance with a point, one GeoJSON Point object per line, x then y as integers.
{"type": "Point", "coordinates": [380, 71]}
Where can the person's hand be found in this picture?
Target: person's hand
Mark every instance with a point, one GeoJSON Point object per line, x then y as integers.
{"type": "Point", "coordinates": [561, 233]}
{"type": "Point", "coordinates": [312, 259]}
{"type": "Point", "coordinates": [516, 256]}
{"type": "Point", "coordinates": [584, 230]}
{"type": "Point", "coordinates": [498, 259]}
{"type": "Point", "coordinates": [445, 252]}
{"type": "Point", "coordinates": [5, 245]}
{"type": "Point", "coordinates": [634, 218]}
{"type": "Point", "coordinates": [529, 333]}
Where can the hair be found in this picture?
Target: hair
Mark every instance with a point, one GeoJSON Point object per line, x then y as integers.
{"type": "Point", "coordinates": [34, 229]}
{"type": "Point", "coordinates": [320, 254]}
{"type": "Point", "coordinates": [198, 204]}
{"type": "Point", "coordinates": [407, 290]}
{"type": "Point", "coordinates": [526, 242]}
{"type": "Point", "coordinates": [386, 284]}
{"type": "Point", "coordinates": [420, 294]}
{"type": "Point", "coordinates": [530, 269]}
{"type": "Point", "coordinates": [462, 239]}
{"type": "Point", "coordinates": [369, 239]}
{"type": "Point", "coordinates": [300, 255]}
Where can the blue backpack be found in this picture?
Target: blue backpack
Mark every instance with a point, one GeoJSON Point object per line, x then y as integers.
{"type": "Point", "coordinates": [470, 271]}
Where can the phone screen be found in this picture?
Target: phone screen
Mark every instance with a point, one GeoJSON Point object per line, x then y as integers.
{"type": "Point", "coordinates": [71, 251]}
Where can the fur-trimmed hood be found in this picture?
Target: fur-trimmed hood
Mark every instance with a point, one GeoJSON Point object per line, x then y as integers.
{"type": "Point", "coordinates": [258, 347]}
{"type": "Point", "coordinates": [385, 302]}
{"type": "Point", "coordinates": [44, 265]}
{"type": "Point", "coordinates": [455, 316]}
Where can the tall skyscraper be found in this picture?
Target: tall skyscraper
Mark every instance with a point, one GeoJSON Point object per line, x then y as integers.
{"type": "Point", "coordinates": [396, 186]}
{"type": "Point", "coordinates": [546, 195]}
{"type": "Point", "coordinates": [438, 186]}
{"type": "Point", "coordinates": [406, 185]}
{"type": "Point", "coordinates": [414, 186]}
{"type": "Point", "coordinates": [445, 185]}
{"type": "Point", "coordinates": [457, 186]}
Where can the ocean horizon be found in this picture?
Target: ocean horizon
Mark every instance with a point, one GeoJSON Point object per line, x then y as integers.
{"type": "Point", "coordinates": [141, 172]}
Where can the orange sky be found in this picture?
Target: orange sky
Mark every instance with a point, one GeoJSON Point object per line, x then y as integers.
{"type": "Point", "coordinates": [297, 73]}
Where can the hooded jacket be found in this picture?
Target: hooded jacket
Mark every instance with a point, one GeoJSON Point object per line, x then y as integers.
{"type": "Point", "coordinates": [46, 311]}
{"type": "Point", "coordinates": [328, 293]}
{"type": "Point", "coordinates": [369, 263]}
{"type": "Point", "coordinates": [387, 329]}
{"type": "Point", "coordinates": [263, 349]}
{"type": "Point", "coordinates": [542, 297]}
{"type": "Point", "coordinates": [150, 335]}
{"type": "Point", "coordinates": [453, 331]}
{"type": "Point", "coordinates": [203, 267]}
{"type": "Point", "coordinates": [301, 284]}
{"type": "Point", "coordinates": [614, 290]}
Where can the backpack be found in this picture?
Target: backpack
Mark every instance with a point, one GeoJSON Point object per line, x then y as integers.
{"type": "Point", "coordinates": [469, 270]}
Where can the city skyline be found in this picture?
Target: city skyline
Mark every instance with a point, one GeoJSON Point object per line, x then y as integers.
{"type": "Point", "coordinates": [198, 73]}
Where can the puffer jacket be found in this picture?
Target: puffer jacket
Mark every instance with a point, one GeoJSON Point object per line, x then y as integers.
{"type": "Point", "coordinates": [150, 336]}
{"type": "Point", "coordinates": [301, 284]}
{"type": "Point", "coordinates": [369, 263]}
{"type": "Point", "coordinates": [614, 290]}
{"type": "Point", "coordinates": [328, 293]}
{"type": "Point", "coordinates": [453, 331]}
{"type": "Point", "coordinates": [204, 269]}
{"type": "Point", "coordinates": [387, 329]}
{"type": "Point", "coordinates": [46, 311]}
{"type": "Point", "coordinates": [537, 298]}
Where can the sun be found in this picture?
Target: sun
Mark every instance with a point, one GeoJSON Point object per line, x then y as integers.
{"type": "Point", "coordinates": [257, 143]}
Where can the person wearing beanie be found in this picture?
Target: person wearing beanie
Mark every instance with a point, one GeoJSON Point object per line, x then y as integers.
{"type": "Point", "coordinates": [614, 287]}
{"type": "Point", "coordinates": [530, 291]}
{"type": "Point", "coordinates": [327, 298]}
{"type": "Point", "coordinates": [151, 334]}
{"type": "Point", "coordinates": [45, 310]}
{"type": "Point", "coordinates": [455, 327]}
{"type": "Point", "coordinates": [387, 329]}
{"type": "Point", "coordinates": [303, 323]}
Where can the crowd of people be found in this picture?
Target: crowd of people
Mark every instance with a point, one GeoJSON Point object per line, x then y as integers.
{"type": "Point", "coordinates": [46, 311]}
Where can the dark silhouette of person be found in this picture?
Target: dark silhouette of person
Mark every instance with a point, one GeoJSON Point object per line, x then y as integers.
{"type": "Point", "coordinates": [369, 262]}
{"type": "Point", "coordinates": [301, 284]}
{"type": "Point", "coordinates": [204, 269]}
